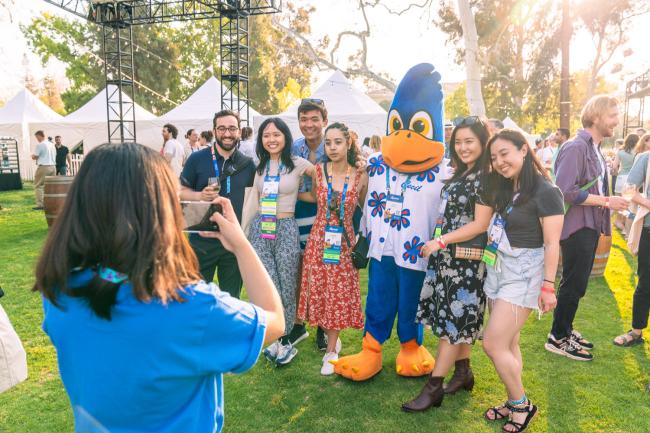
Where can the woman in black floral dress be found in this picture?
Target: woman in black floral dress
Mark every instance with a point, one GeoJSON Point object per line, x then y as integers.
{"type": "Point", "coordinates": [452, 300]}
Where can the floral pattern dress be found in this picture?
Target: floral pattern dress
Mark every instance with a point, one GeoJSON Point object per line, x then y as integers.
{"type": "Point", "coordinates": [452, 300]}
{"type": "Point", "coordinates": [330, 295]}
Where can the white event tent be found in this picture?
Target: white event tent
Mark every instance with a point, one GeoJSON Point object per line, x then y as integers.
{"type": "Point", "coordinates": [87, 124]}
{"type": "Point", "coordinates": [511, 124]}
{"type": "Point", "coordinates": [16, 118]}
{"type": "Point", "coordinates": [196, 112]}
{"type": "Point", "coordinates": [345, 103]}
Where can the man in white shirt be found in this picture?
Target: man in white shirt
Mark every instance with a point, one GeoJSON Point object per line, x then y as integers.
{"type": "Point", "coordinates": [45, 157]}
{"type": "Point", "coordinates": [172, 149]}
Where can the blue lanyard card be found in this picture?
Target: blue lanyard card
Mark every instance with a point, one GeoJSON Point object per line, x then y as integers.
{"type": "Point", "coordinates": [271, 185]}
{"type": "Point", "coordinates": [494, 238]}
{"type": "Point", "coordinates": [394, 204]}
{"type": "Point", "coordinates": [332, 245]}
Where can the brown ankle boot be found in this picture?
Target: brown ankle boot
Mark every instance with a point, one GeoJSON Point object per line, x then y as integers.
{"type": "Point", "coordinates": [462, 378]}
{"type": "Point", "coordinates": [431, 395]}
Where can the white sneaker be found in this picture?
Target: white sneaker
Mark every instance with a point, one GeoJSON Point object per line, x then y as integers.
{"type": "Point", "coordinates": [327, 368]}
{"type": "Point", "coordinates": [286, 353]}
{"type": "Point", "coordinates": [271, 352]}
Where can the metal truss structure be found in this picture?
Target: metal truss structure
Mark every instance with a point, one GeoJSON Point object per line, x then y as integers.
{"type": "Point", "coordinates": [637, 89]}
{"type": "Point", "coordinates": [116, 18]}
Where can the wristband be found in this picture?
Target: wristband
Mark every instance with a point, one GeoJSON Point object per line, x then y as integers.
{"type": "Point", "coordinates": [549, 281]}
{"type": "Point", "coordinates": [441, 243]}
{"type": "Point", "coordinates": [548, 289]}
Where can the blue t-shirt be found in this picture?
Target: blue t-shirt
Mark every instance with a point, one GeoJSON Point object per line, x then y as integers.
{"type": "Point", "coordinates": [637, 177]}
{"type": "Point", "coordinates": [152, 367]}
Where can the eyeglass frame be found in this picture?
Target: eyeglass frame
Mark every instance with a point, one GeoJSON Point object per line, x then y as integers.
{"type": "Point", "coordinates": [315, 101]}
{"type": "Point", "coordinates": [466, 121]}
{"type": "Point", "coordinates": [223, 129]}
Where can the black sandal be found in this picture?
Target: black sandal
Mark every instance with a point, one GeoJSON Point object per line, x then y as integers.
{"type": "Point", "coordinates": [633, 339]}
{"type": "Point", "coordinates": [529, 408]}
{"type": "Point", "coordinates": [495, 412]}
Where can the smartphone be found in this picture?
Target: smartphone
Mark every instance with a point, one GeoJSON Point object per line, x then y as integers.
{"type": "Point", "coordinates": [196, 215]}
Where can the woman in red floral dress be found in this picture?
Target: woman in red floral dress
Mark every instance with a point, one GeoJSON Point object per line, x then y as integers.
{"type": "Point", "coordinates": [330, 295]}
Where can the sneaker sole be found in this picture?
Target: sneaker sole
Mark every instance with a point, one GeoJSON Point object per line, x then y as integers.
{"type": "Point", "coordinates": [301, 338]}
{"type": "Point", "coordinates": [561, 352]}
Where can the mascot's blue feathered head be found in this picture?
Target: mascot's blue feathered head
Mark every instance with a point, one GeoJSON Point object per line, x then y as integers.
{"type": "Point", "coordinates": [415, 133]}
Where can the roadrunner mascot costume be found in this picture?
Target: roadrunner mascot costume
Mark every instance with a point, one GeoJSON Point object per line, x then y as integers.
{"type": "Point", "coordinates": [405, 180]}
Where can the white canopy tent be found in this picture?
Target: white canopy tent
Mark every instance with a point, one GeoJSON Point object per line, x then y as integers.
{"type": "Point", "coordinates": [88, 123]}
{"type": "Point", "coordinates": [511, 124]}
{"type": "Point", "coordinates": [16, 118]}
{"type": "Point", "coordinates": [345, 103]}
{"type": "Point", "coordinates": [196, 112]}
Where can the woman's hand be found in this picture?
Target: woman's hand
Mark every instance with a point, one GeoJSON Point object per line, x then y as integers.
{"type": "Point", "coordinates": [230, 232]}
{"type": "Point", "coordinates": [546, 301]}
{"type": "Point", "coordinates": [430, 248]}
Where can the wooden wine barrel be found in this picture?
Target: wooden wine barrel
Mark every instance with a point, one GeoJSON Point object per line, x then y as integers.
{"type": "Point", "coordinates": [56, 190]}
{"type": "Point", "coordinates": [600, 261]}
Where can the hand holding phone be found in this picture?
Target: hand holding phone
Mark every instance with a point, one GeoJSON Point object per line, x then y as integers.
{"type": "Point", "coordinates": [197, 216]}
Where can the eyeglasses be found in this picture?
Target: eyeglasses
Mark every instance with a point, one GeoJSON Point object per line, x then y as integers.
{"type": "Point", "coordinates": [312, 101]}
{"type": "Point", "coordinates": [467, 121]}
{"type": "Point", "coordinates": [231, 129]}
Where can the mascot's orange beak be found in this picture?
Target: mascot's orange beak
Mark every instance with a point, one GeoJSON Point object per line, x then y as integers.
{"type": "Point", "coordinates": [409, 152]}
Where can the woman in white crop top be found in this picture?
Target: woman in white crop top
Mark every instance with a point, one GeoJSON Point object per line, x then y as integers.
{"type": "Point", "coordinates": [273, 231]}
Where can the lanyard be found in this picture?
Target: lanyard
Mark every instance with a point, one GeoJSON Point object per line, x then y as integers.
{"type": "Point", "coordinates": [405, 184]}
{"type": "Point", "coordinates": [343, 193]}
{"type": "Point", "coordinates": [441, 215]}
{"type": "Point", "coordinates": [217, 172]}
{"type": "Point", "coordinates": [268, 168]}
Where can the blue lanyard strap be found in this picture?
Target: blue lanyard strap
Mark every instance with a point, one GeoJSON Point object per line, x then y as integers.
{"type": "Point", "coordinates": [405, 184]}
{"type": "Point", "coordinates": [268, 168]}
{"type": "Point", "coordinates": [214, 161]}
{"type": "Point", "coordinates": [343, 194]}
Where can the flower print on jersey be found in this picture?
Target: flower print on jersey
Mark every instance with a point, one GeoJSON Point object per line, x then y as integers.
{"type": "Point", "coordinates": [403, 221]}
{"type": "Point", "coordinates": [412, 249]}
{"type": "Point", "coordinates": [376, 165]}
{"type": "Point", "coordinates": [429, 175]}
{"type": "Point", "coordinates": [377, 203]}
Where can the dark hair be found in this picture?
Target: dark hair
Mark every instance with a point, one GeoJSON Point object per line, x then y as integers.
{"type": "Point", "coordinates": [306, 106]}
{"type": "Point", "coordinates": [246, 132]}
{"type": "Point", "coordinates": [353, 150]}
{"type": "Point", "coordinates": [225, 113]}
{"type": "Point", "coordinates": [127, 218]}
{"type": "Point", "coordinates": [172, 129]}
{"type": "Point", "coordinates": [483, 134]}
{"type": "Point", "coordinates": [189, 132]}
{"type": "Point", "coordinates": [57, 136]}
{"type": "Point", "coordinates": [630, 141]}
{"type": "Point", "coordinates": [264, 155]}
{"type": "Point", "coordinates": [499, 190]}
{"type": "Point", "coordinates": [39, 133]}
{"type": "Point", "coordinates": [207, 135]}
{"type": "Point", "coordinates": [366, 141]}
{"type": "Point", "coordinates": [565, 132]}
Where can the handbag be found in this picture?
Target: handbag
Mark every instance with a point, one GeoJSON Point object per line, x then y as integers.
{"type": "Point", "coordinates": [471, 249]}
{"type": "Point", "coordinates": [13, 360]}
{"type": "Point", "coordinates": [634, 235]}
{"type": "Point", "coordinates": [359, 253]}
{"type": "Point", "coordinates": [250, 208]}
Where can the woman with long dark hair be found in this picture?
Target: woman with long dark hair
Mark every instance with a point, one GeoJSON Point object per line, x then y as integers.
{"type": "Point", "coordinates": [452, 300]}
{"type": "Point", "coordinates": [330, 294]}
{"type": "Point", "coordinates": [522, 256]}
{"type": "Point", "coordinates": [274, 231]}
{"type": "Point", "coordinates": [141, 341]}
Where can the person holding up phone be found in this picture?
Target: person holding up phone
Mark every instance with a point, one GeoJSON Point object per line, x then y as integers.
{"type": "Point", "coordinates": [331, 297]}
{"type": "Point", "coordinates": [218, 170]}
{"type": "Point", "coordinates": [142, 343]}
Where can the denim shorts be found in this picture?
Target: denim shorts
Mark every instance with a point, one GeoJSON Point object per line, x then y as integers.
{"type": "Point", "coordinates": [517, 276]}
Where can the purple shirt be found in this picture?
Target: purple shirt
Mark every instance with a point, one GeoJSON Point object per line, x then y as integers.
{"type": "Point", "coordinates": [577, 164]}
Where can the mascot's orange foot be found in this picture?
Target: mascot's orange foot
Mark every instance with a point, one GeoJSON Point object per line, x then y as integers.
{"type": "Point", "coordinates": [363, 365]}
{"type": "Point", "coordinates": [414, 360]}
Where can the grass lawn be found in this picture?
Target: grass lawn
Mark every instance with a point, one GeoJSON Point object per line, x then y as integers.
{"type": "Point", "coordinates": [606, 395]}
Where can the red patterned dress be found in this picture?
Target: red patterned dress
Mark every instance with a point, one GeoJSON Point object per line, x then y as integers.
{"type": "Point", "coordinates": [330, 295]}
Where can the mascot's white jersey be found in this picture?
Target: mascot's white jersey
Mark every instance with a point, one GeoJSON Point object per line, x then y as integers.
{"type": "Point", "coordinates": [403, 238]}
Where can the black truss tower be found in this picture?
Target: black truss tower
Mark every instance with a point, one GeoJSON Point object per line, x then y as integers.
{"type": "Point", "coordinates": [116, 17]}
{"type": "Point", "coordinates": [637, 89]}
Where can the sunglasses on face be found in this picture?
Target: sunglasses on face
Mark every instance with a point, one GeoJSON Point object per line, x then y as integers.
{"type": "Point", "coordinates": [312, 101]}
{"type": "Point", "coordinates": [466, 121]}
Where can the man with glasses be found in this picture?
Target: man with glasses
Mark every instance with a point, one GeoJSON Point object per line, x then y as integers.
{"type": "Point", "coordinates": [312, 120]}
{"type": "Point", "coordinates": [218, 170]}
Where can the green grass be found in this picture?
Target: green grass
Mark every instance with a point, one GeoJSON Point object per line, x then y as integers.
{"type": "Point", "coordinates": [606, 395]}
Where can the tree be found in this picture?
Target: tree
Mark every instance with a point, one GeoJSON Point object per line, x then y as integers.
{"type": "Point", "coordinates": [456, 103]}
{"type": "Point", "coordinates": [473, 91]}
{"type": "Point", "coordinates": [608, 21]}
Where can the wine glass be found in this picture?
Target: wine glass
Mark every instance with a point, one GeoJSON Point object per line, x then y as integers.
{"type": "Point", "coordinates": [629, 190]}
{"type": "Point", "coordinates": [215, 184]}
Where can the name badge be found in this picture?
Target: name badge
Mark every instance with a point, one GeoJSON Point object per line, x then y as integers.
{"type": "Point", "coordinates": [494, 238]}
{"type": "Point", "coordinates": [269, 207]}
{"type": "Point", "coordinates": [271, 185]}
{"type": "Point", "coordinates": [332, 245]}
{"type": "Point", "coordinates": [394, 204]}
{"type": "Point", "coordinates": [441, 215]}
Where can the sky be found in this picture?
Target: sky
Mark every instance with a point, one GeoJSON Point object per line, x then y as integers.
{"type": "Point", "coordinates": [396, 43]}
